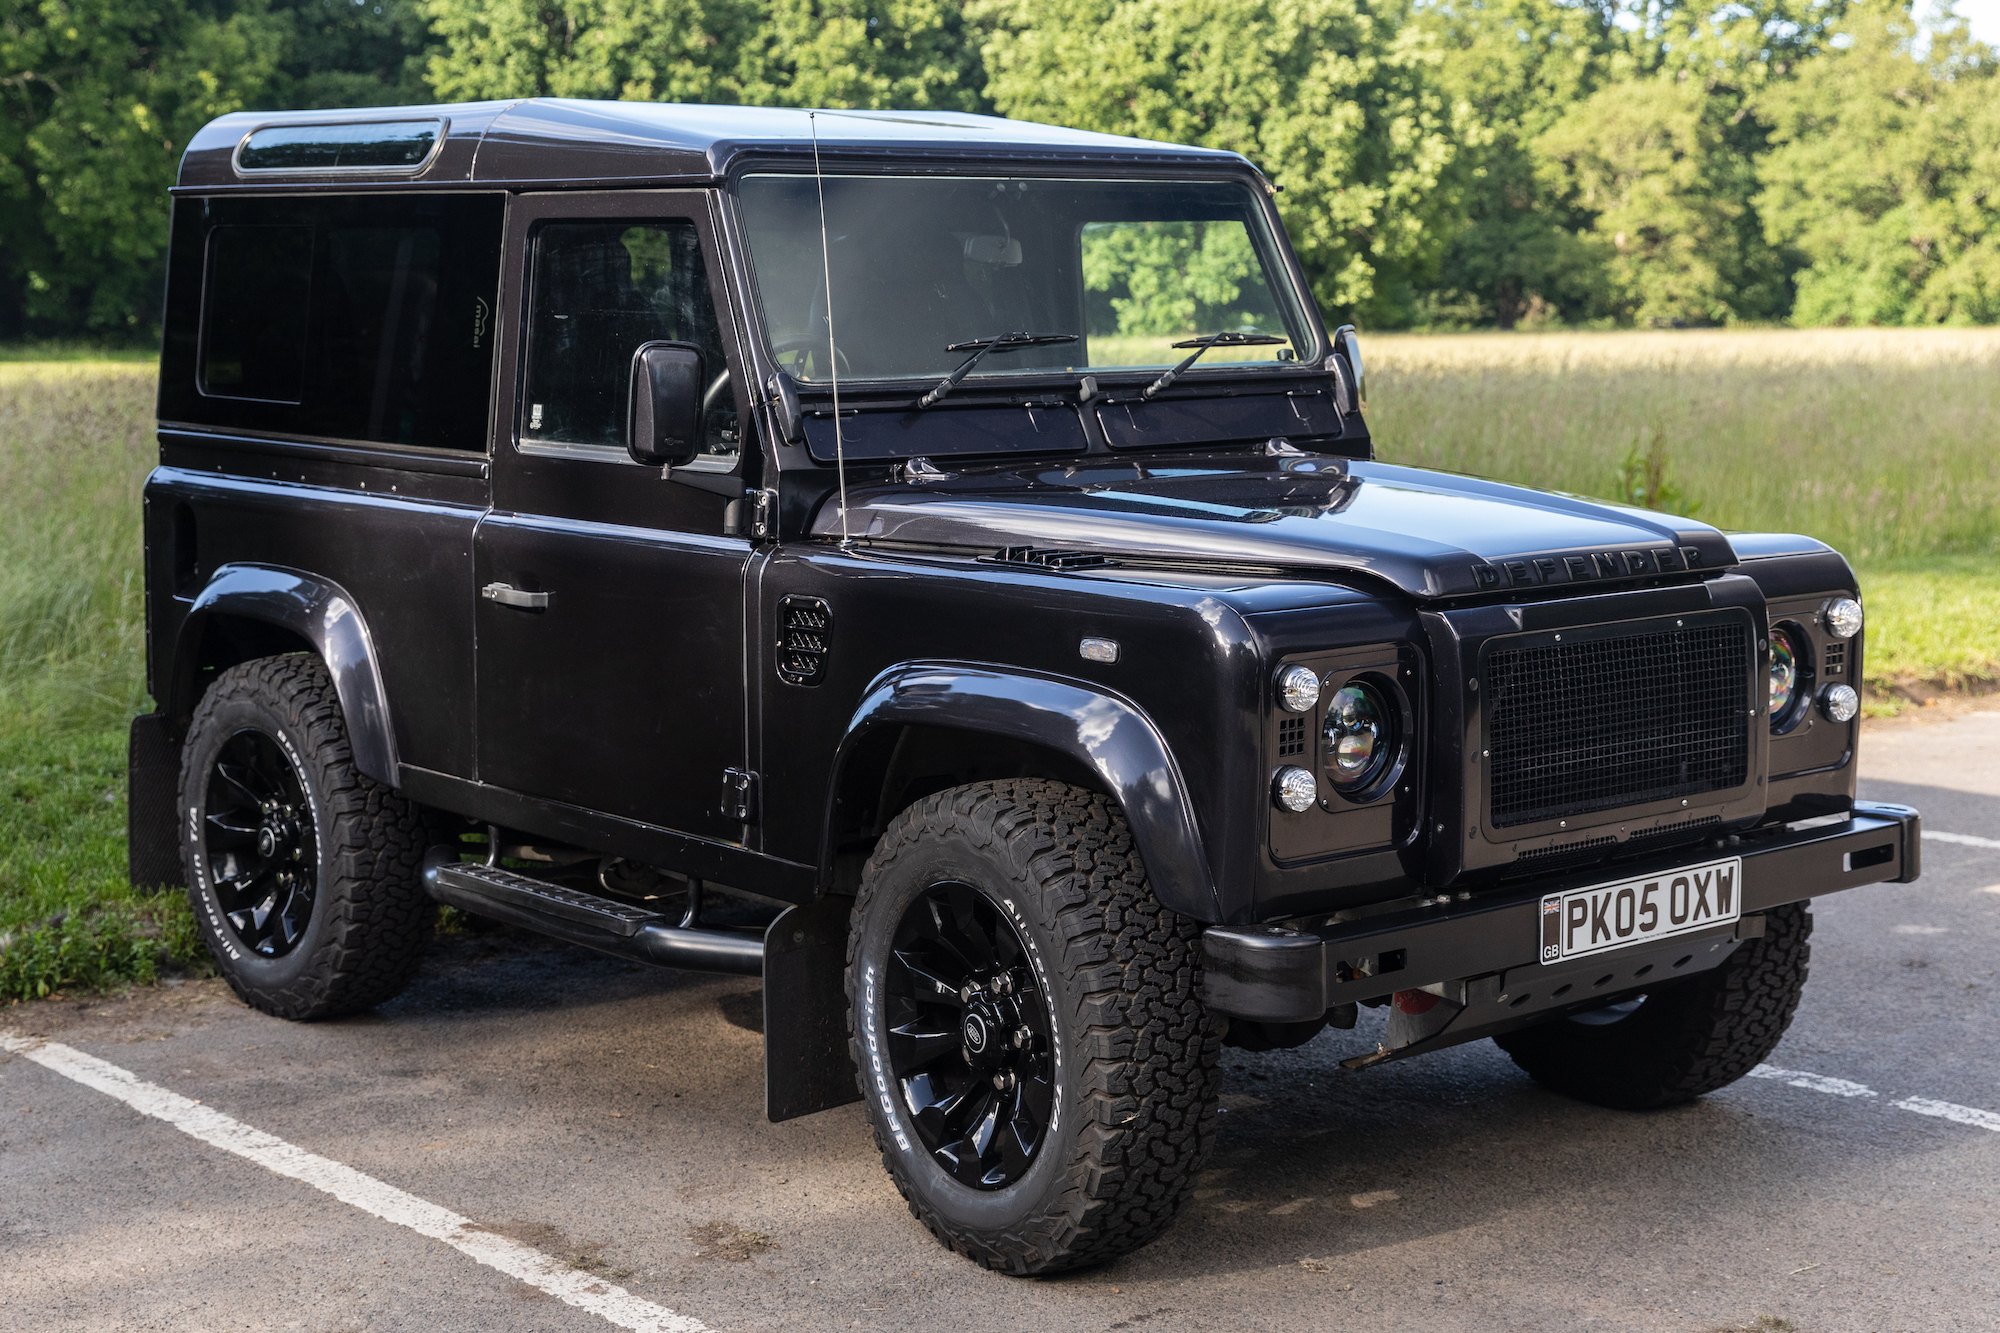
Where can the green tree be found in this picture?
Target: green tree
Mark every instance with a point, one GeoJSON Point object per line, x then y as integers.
{"type": "Point", "coordinates": [349, 53]}
{"type": "Point", "coordinates": [1646, 159]}
{"type": "Point", "coordinates": [908, 54]}
{"type": "Point", "coordinates": [1886, 176]}
{"type": "Point", "coordinates": [102, 95]}
{"type": "Point", "coordinates": [1522, 251]}
{"type": "Point", "coordinates": [1334, 99]}
{"type": "Point", "coordinates": [837, 53]}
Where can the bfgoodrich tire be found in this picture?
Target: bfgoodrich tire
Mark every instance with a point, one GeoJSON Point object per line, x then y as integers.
{"type": "Point", "coordinates": [304, 874]}
{"type": "Point", "coordinates": [1684, 1040]}
{"type": "Point", "coordinates": [1038, 1069]}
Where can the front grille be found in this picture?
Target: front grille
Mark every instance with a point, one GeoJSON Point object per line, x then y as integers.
{"type": "Point", "coordinates": [1607, 722]}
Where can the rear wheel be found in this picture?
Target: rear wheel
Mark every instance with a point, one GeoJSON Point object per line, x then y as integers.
{"type": "Point", "coordinates": [1674, 1044]}
{"type": "Point", "coordinates": [1040, 1075]}
{"type": "Point", "coordinates": [303, 873]}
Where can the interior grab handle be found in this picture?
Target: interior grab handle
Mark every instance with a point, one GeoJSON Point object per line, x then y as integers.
{"type": "Point", "coordinates": [508, 595]}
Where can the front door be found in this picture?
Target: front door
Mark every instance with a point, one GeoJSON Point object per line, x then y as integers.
{"type": "Point", "coordinates": [610, 600]}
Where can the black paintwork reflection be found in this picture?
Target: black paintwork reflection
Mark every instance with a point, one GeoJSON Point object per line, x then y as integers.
{"type": "Point", "coordinates": [1427, 533]}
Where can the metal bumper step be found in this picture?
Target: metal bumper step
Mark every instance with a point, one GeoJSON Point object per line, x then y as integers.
{"type": "Point", "coordinates": [624, 929]}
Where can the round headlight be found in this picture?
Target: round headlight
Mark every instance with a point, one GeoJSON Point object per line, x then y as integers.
{"type": "Point", "coordinates": [1784, 677]}
{"type": "Point", "coordinates": [1843, 617]}
{"type": "Point", "coordinates": [1840, 702]}
{"type": "Point", "coordinates": [1358, 740]}
{"type": "Point", "coordinates": [1298, 688]}
{"type": "Point", "coordinates": [1295, 788]}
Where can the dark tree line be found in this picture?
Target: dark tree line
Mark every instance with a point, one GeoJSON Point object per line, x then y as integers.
{"type": "Point", "coordinates": [1444, 163]}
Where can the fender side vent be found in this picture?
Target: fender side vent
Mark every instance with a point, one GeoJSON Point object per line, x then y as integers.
{"type": "Point", "coordinates": [1051, 558]}
{"type": "Point", "coordinates": [805, 639]}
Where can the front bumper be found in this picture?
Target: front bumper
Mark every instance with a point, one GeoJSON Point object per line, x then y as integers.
{"type": "Point", "coordinates": [1480, 953]}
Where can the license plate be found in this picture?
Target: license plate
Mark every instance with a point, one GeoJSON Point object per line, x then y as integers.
{"type": "Point", "coordinates": [1630, 912]}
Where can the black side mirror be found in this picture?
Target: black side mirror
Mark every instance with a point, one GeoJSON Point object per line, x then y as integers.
{"type": "Point", "coordinates": [663, 421]}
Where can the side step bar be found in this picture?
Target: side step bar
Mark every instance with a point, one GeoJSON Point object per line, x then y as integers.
{"type": "Point", "coordinates": [624, 929]}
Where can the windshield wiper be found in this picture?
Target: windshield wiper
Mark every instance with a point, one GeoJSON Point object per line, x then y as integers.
{"type": "Point", "coordinates": [1005, 342]}
{"type": "Point", "coordinates": [1201, 345]}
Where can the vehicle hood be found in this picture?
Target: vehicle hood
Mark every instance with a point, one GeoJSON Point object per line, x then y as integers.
{"type": "Point", "coordinates": [1431, 534]}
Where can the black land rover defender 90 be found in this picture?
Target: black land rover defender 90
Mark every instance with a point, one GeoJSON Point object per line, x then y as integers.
{"type": "Point", "coordinates": [938, 564]}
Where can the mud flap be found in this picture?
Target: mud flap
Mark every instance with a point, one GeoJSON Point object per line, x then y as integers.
{"type": "Point", "coordinates": [806, 1066]}
{"type": "Point", "coordinates": [152, 795]}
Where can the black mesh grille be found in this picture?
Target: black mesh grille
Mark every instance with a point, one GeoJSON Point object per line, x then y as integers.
{"type": "Point", "coordinates": [1598, 724]}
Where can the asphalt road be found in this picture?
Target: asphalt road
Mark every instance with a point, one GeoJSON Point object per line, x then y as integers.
{"type": "Point", "coordinates": [611, 1117]}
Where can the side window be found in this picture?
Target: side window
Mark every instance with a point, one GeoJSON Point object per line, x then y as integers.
{"type": "Point", "coordinates": [254, 324]}
{"type": "Point", "coordinates": [366, 318]}
{"type": "Point", "coordinates": [598, 291]}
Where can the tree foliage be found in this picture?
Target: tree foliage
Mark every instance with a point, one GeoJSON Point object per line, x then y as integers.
{"type": "Point", "coordinates": [1334, 99]}
{"type": "Point", "coordinates": [1885, 176]}
{"type": "Point", "coordinates": [1440, 162]}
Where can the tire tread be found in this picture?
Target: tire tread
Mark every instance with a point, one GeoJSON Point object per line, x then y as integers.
{"type": "Point", "coordinates": [1148, 1055]}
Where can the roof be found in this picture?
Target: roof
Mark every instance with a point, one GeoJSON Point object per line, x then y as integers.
{"type": "Point", "coordinates": [548, 141]}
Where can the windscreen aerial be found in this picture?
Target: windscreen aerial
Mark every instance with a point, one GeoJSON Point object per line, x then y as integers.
{"type": "Point", "coordinates": [1036, 276]}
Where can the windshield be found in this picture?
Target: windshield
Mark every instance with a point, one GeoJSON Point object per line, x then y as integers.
{"type": "Point", "coordinates": [925, 271]}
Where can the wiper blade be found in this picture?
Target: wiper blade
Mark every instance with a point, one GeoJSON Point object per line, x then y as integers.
{"type": "Point", "coordinates": [1200, 345]}
{"type": "Point", "coordinates": [1005, 342]}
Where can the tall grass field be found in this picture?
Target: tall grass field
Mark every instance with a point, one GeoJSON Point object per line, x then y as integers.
{"type": "Point", "coordinates": [1880, 442]}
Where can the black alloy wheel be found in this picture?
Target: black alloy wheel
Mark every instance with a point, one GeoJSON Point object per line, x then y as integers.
{"type": "Point", "coordinates": [1027, 1029]}
{"type": "Point", "coordinates": [969, 1036]}
{"type": "Point", "coordinates": [259, 844]}
{"type": "Point", "coordinates": [304, 874]}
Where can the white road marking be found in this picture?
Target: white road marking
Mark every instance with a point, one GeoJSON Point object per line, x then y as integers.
{"type": "Point", "coordinates": [1798, 1078]}
{"type": "Point", "coordinates": [1964, 1115]}
{"type": "Point", "coordinates": [1962, 839]}
{"type": "Point", "coordinates": [516, 1260]}
{"type": "Point", "coordinates": [1923, 930]}
{"type": "Point", "coordinates": [1840, 1087]}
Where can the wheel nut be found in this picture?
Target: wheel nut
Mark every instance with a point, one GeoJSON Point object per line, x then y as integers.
{"type": "Point", "coordinates": [1004, 1082]}
{"type": "Point", "coordinates": [1024, 1037]}
{"type": "Point", "coordinates": [966, 992]}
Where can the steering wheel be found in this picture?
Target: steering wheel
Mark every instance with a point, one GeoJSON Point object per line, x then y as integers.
{"type": "Point", "coordinates": [714, 390]}
{"type": "Point", "coordinates": [810, 346]}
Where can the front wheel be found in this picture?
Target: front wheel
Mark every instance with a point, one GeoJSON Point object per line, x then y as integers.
{"type": "Point", "coordinates": [1040, 1074]}
{"type": "Point", "coordinates": [1692, 1037]}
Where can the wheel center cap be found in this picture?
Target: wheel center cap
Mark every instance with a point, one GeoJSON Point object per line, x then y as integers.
{"type": "Point", "coordinates": [975, 1033]}
{"type": "Point", "coordinates": [267, 841]}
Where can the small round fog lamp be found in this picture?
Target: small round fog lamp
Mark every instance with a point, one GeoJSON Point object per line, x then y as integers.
{"type": "Point", "coordinates": [1295, 789]}
{"type": "Point", "coordinates": [1840, 702]}
{"type": "Point", "coordinates": [1298, 688]}
{"type": "Point", "coordinates": [1843, 617]}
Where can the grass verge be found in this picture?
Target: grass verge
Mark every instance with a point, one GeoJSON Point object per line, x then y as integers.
{"type": "Point", "coordinates": [75, 446]}
{"type": "Point", "coordinates": [1933, 629]}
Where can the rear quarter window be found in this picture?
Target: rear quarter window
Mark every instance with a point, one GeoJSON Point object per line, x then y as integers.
{"type": "Point", "coordinates": [364, 318]}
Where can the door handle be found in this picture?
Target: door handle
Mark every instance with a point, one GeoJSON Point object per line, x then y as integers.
{"type": "Point", "coordinates": [508, 595]}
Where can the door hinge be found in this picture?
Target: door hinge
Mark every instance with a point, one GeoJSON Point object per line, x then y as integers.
{"type": "Point", "coordinates": [739, 796]}
{"type": "Point", "coordinates": [763, 513]}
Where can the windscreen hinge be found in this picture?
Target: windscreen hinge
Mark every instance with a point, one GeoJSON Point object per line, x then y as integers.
{"type": "Point", "coordinates": [739, 796]}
